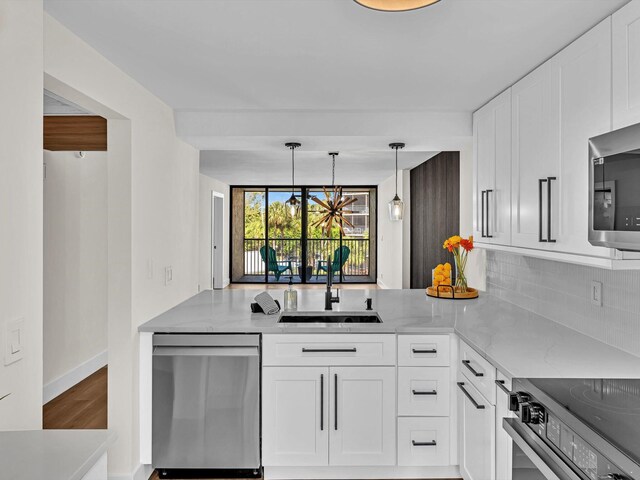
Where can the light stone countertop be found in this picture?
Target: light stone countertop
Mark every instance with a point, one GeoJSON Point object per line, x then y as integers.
{"type": "Point", "coordinates": [519, 343]}
{"type": "Point", "coordinates": [51, 454]}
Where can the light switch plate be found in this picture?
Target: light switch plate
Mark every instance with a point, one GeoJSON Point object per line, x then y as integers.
{"type": "Point", "coordinates": [168, 275]}
{"type": "Point", "coordinates": [596, 293]}
{"type": "Point", "coordinates": [13, 341]}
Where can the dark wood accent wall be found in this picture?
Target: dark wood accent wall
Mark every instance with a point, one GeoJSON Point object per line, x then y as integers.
{"type": "Point", "coordinates": [75, 133]}
{"type": "Point", "coordinates": [435, 213]}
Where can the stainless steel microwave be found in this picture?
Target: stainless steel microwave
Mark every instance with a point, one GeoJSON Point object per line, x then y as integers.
{"type": "Point", "coordinates": [614, 189]}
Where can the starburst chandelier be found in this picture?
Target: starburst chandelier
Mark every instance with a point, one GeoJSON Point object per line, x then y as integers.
{"type": "Point", "coordinates": [333, 205]}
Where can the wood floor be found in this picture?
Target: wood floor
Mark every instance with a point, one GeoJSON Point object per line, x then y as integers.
{"type": "Point", "coordinates": [83, 406]}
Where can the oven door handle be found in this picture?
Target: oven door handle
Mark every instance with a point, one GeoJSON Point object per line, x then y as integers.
{"type": "Point", "coordinates": [545, 459]}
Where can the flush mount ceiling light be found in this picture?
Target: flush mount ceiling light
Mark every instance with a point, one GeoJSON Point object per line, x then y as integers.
{"type": "Point", "coordinates": [293, 202]}
{"type": "Point", "coordinates": [396, 206]}
{"type": "Point", "coordinates": [395, 5]}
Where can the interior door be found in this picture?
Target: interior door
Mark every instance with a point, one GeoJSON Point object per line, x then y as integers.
{"type": "Point", "coordinates": [295, 422]}
{"type": "Point", "coordinates": [217, 257]}
{"type": "Point", "coordinates": [363, 416]}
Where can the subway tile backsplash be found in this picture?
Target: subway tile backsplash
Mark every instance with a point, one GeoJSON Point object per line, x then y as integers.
{"type": "Point", "coordinates": [562, 292]}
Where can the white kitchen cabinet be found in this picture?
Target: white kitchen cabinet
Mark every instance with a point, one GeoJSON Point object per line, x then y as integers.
{"type": "Point", "coordinates": [535, 158]}
{"type": "Point", "coordinates": [363, 416]}
{"type": "Point", "coordinates": [504, 444]}
{"type": "Point", "coordinates": [584, 112]}
{"type": "Point", "coordinates": [295, 420]}
{"type": "Point", "coordinates": [626, 65]}
{"type": "Point", "coordinates": [423, 392]}
{"type": "Point", "coordinates": [423, 441]}
{"type": "Point", "coordinates": [492, 168]}
{"type": "Point", "coordinates": [477, 433]}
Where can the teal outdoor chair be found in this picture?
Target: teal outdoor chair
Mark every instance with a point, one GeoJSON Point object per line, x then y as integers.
{"type": "Point", "coordinates": [340, 257]}
{"type": "Point", "coordinates": [278, 267]}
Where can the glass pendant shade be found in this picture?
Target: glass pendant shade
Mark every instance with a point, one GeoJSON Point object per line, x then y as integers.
{"type": "Point", "coordinates": [294, 205]}
{"type": "Point", "coordinates": [396, 5]}
{"type": "Point", "coordinates": [396, 209]}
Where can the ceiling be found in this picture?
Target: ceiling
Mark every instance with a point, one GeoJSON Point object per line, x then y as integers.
{"type": "Point", "coordinates": [245, 72]}
{"type": "Point", "coordinates": [56, 105]}
{"type": "Point", "coordinates": [312, 167]}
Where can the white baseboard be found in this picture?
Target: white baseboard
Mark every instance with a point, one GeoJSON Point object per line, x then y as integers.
{"type": "Point", "coordinates": [63, 383]}
{"type": "Point", "coordinates": [382, 285]}
{"type": "Point", "coordinates": [143, 472]}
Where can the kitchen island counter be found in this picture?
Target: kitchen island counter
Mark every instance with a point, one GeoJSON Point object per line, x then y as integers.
{"type": "Point", "coordinates": [518, 342]}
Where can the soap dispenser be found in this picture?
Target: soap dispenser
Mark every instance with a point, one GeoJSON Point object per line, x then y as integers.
{"type": "Point", "coordinates": [290, 297]}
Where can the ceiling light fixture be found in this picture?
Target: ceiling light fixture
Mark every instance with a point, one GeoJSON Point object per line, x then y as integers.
{"type": "Point", "coordinates": [395, 5]}
{"type": "Point", "coordinates": [396, 206]}
{"type": "Point", "coordinates": [293, 202]}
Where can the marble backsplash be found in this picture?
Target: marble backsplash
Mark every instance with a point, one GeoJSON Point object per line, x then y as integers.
{"type": "Point", "coordinates": [561, 292]}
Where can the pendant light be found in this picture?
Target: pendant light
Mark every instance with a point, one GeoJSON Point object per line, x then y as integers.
{"type": "Point", "coordinates": [395, 5]}
{"type": "Point", "coordinates": [293, 203]}
{"type": "Point", "coordinates": [396, 206]}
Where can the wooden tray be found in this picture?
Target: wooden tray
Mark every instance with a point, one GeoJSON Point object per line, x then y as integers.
{"type": "Point", "coordinates": [446, 291]}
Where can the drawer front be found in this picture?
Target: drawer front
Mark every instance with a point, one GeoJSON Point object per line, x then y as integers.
{"type": "Point", "coordinates": [335, 349]}
{"type": "Point", "coordinates": [423, 442]}
{"type": "Point", "coordinates": [423, 350]}
{"type": "Point", "coordinates": [423, 391]}
{"type": "Point", "coordinates": [480, 373]}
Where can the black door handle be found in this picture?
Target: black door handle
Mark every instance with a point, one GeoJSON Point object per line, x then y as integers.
{"type": "Point", "coordinates": [549, 239]}
{"type": "Point", "coordinates": [488, 217]}
{"type": "Point", "coordinates": [432, 443]}
{"type": "Point", "coordinates": [468, 395]}
{"type": "Point", "coordinates": [335, 393]}
{"type": "Point", "coordinates": [428, 392]}
{"type": "Point", "coordinates": [500, 384]}
{"type": "Point", "coordinates": [417, 350]}
{"type": "Point", "coordinates": [482, 194]}
{"type": "Point", "coordinates": [329, 350]}
{"type": "Point", "coordinates": [322, 402]}
{"type": "Point", "coordinates": [467, 364]}
{"type": "Point", "coordinates": [540, 182]}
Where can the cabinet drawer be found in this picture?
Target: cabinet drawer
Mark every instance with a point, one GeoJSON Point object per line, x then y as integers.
{"type": "Point", "coordinates": [423, 350]}
{"type": "Point", "coordinates": [480, 373]}
{"type": "Point", "coordinates": [423, 442]}
{"type": "Point", "coordinates": [335, 349]}
{"type": "Point", "coordinates": [423, 391]}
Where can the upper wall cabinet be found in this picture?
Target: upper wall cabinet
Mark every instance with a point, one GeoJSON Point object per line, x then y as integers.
{"type": "Point", "coordinates": [492, 171]}
{"type": "Point", "coordinates": [626, 65]}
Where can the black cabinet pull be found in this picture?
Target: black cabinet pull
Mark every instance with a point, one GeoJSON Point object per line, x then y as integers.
{"type": "Point", "coordinates": [540, 182]}
{"type": "Point", "coordinates": [500, 384]}
{"type": "Point", "coordinates": [335, 393]}
{"type": "Point", "coordinates": [329, 350]}
{"type": "Point", "coordinates": [482, 194]}
{"type": "Point", "coordinates": [321, 402]}
{"type": "Point", "coordinates": [549, 239]}
{"type": "Point", "coordinates": [429, 392]}
{"type": "Point", "coordinates": [417, 350]}
{"type": "Point", "coordinates": [488, 217]}
{"type": "Point", "coordinates": [432, 443]}
{"type": "Point", "coordinates": [467, 364]}
{"type": "Point", "coordinates": [468, 395]}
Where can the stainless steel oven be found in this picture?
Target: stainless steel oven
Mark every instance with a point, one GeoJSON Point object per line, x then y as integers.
{"type": "Point", "coordinates": [575, 429]}
{"type": "Point", "coordinates": [614, 189]}
{"type": "Point", "coordinates": [206, 405]}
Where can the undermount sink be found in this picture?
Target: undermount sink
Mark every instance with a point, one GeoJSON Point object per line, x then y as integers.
{"type": "Point", "coordinates": [320, 317]}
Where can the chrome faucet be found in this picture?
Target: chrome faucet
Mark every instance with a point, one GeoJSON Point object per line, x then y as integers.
{"type": "Point", "coordinates": [329, 299]}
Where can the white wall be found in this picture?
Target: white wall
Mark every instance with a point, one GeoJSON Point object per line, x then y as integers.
{"type": "Point", "coordinates": [392, 235]}
{"type": "Point", "coordinates": [153, 213]}
{"type": "Point", "coordinates": [21, 207]}
{"type": "Point", "coordinates": [208, 185]}
{"type": "Point", "coordinates": [75, 261]}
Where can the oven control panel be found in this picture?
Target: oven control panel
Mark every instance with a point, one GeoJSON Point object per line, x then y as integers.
{"type": "Point", "coordinates": [571, 447]}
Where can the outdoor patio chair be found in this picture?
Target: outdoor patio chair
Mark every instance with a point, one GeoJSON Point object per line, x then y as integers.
{"type": "Point", "coordinates": [340, 257]}
{"type": "Point", "coordinates": [278, 267]}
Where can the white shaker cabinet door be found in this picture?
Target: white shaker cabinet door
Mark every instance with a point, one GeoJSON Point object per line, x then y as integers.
{"type": "Point", "coordinates": [504, 444]}
{"type": "Point", "coordinates": [535, 159]}
{"type": "Point", "coordinates": [363, 416]}
{"type": "Point", "coordinates": [492, 171]}
{"type": "Point", "coordinates": [295, 420]}
{"type": "Point", "coordinates": [626, 65]}
{"type": "Point", "coordinates": [477, 433]}
{"type": "Point", "coordinates": [585, 111]}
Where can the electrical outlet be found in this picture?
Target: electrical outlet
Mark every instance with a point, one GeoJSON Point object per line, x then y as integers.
{"type": "Point", "coordinates": [14, 341]}
{"type": "Point", "coordinates": [150, 268]}
{"type": "Point", "coordinates": [168, 275]}
{"type": "Point", "coordinates": [596, 293]}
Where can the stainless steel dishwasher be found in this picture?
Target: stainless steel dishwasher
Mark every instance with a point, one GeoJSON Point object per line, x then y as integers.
{"type": "Point", "coordinates": [206, 404]}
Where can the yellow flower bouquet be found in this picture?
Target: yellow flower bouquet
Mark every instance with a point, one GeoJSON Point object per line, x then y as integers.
{"type": "Point", "coordinates": [460, 247]}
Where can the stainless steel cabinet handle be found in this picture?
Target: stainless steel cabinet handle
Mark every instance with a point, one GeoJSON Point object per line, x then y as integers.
{"type": "Point", "coordinates": [488, 218]}
{"type": "Point", "coordinates": [468, 395]}
{"type": "Point", "coordinates": [432, 443]}
{"type": "Point", "coordinates": [335, 394]}
{"type": "Point", "coordinates": [417, 350]}
{"type": "Point", "coordinates": [467, 363]}
{"type": "Point", "coordinates": [482, 194]}
{"type": "Point", "coordinates": [500, 384]}
{"type": "Point", "coordinates": [329, 350]}
{"type": "Point", "coordinates": [321, 402]}
{"type": "Point", "coordinates": [549, 239]}
{"type": "Point", "coordinates": [429, 392]}
{"type": "Point", "coordinates": [540, 182]}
